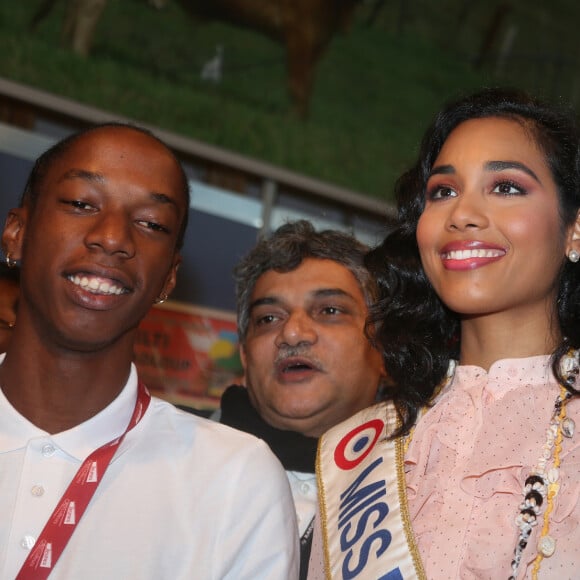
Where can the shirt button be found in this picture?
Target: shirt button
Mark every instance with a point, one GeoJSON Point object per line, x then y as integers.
{"type": "Point", "coordinates": [48, 450]}
{"type": "Point", "coordinates": [304, 487]}
{"type": "Point", "coordinates": [37, 490]}
{"type": "Point", "coordinates": [28, 542]}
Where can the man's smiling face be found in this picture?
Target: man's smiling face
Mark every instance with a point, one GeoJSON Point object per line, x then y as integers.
{"type": "Point", "coordinates": [99, 243]}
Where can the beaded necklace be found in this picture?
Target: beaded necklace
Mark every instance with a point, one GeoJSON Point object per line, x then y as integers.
{"type": "Point", "coordinates": [542, 485]}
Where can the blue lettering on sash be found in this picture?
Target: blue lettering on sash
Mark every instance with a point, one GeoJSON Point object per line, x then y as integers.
{"type": "Point", "coordinates": [392, 575]}
{"type": "Point", "coordinates": [383, 537]}
{"type": "Point", "coordinates": [351, 497]}
{"type": "Point", "coordinates": [362, 503]}
{"type": "Point", "coordinates": [382, 510]}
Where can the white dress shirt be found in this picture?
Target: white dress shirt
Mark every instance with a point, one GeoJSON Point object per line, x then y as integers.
{"type": "Point", "coordinates": [183, 497]}
{"type": "Point", "coordinates": [304, 492]}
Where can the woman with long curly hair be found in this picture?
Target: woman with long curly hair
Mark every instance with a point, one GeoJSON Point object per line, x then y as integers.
{"type": "Point", "coordinates": [478, 322]}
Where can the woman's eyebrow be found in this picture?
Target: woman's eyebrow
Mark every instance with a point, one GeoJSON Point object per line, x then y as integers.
{"type": "Point", "coordinates": [489, 166]}
{"type": "Point", "coordinates": [442, 170]}
{"type": "Point", "coordinates": [501, 165]}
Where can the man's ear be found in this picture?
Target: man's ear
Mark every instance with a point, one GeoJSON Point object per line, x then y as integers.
{"type": "Point", "coordinates": [13, 235]}
{"type": "Point", "coordinates": [171, 278]}
{"type": "Point", "coordinates": [243, 356]}
{"type": "Point", "coordinates": [244, 362]}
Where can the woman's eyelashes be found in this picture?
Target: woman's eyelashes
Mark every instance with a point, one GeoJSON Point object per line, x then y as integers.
{"type": "Point", "coordinates": [509, 188]}
{"type": "Point", "coordinates": [440, 192]}
{"type": "Point", "coordinates": [504, 187]}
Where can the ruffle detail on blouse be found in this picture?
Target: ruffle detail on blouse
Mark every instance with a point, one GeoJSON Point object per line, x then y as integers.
{"type": "Point", "coordinates": [467, 463]}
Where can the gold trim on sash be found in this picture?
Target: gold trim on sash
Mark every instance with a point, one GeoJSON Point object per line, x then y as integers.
{"type": "Point", "coordinates": [408, 527]}
{"type": "Point", "coordinates": [364, 516]}
{"type": "Point", "coordinates": [322, 509]}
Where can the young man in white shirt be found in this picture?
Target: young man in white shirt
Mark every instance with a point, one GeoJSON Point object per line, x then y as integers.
{"type": "Point", "coordinates": [98, 479]}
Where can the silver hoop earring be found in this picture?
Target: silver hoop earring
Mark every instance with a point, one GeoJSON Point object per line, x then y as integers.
{"type": "Point", "coordinates": [573, 256]}
{"type": "Point", "coordinates": [10, 262]}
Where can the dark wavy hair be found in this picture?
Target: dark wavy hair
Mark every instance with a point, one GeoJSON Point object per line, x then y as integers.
{"type": "Point", "coordinates": [45, 161]}
{"type": "Point", "coordinates": [286, 248]}
{"type": "Point", "coordinates": [416, 333]}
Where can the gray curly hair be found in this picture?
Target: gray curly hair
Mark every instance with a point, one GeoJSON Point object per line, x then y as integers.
{"type": "Point", "coordinates": [285, 250]}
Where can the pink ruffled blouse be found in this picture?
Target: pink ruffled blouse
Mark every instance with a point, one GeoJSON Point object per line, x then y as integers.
{"type": "Point", "coordinates": [466, 466]}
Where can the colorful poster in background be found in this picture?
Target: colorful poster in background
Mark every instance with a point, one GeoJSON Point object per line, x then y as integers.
{"type": "Point", "coordinates": [187, 354]}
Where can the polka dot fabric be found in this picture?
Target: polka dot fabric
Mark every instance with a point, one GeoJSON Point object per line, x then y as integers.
{"type": "Point", "coordinates": [466, 466]}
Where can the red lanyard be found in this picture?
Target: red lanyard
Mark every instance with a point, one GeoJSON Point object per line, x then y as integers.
{"type": "Point", "coordinates": [71, 507]}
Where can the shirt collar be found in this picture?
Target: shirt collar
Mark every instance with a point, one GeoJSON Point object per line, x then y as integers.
{"type": "Point", "coordinates": [16, 431]}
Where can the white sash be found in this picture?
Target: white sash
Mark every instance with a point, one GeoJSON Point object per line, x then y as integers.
{"type": "Point", "coordinates": [363, 505]}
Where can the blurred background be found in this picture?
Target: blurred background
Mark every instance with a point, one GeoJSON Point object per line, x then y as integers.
{"type": "Point", "coordinates": [279, 109]}
{"type": "Point", "coordinates": [382, 68]}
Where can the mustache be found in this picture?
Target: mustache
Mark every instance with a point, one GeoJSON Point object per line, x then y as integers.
{"type": "Point", "coordinates": [299, 351]}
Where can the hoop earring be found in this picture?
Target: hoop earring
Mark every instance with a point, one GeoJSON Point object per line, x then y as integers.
{"type": "Point", "coordinates": [9, 261]}
{"type": "Point", "coordinates": [573, 256]}
{"type": "Point", "coordinates": [161, 299]}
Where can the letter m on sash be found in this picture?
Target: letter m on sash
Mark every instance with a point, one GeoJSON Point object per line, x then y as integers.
{"type": "Point", "coordinates": [356, 498]}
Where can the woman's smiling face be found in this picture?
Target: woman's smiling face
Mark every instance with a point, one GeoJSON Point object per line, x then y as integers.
{"type": "Point", "coordinates": [491, 237]}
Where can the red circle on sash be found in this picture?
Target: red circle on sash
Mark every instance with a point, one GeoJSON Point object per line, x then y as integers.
{"type": "Point", "coordinates": [347, 444]}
